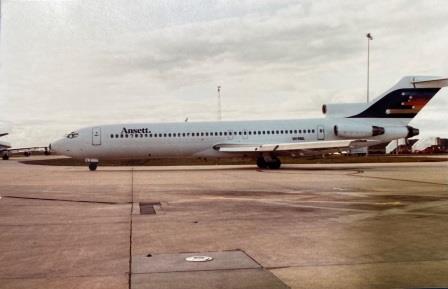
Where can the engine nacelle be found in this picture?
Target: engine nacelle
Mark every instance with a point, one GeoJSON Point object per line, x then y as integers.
{"type": "Point", "coordinates": [366, 131]}
{"type": "Point", "coordinates": [357, 131]}
{"type": "Point", "coordinates": [343, 109]}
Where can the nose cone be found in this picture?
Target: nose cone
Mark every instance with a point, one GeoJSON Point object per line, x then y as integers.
{"type": "Point", "coordinates": [58, 147]}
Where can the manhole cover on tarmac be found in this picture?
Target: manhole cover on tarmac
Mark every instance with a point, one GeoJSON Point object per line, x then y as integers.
{"type": "Point", "coordinates": [199, 259]}
{"type": "Point", "coordinates": [218, 270]}
{"type": "Point", "coordinates": [160, 263]}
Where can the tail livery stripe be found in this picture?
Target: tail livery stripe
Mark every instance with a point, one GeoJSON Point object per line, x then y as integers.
{"type": "Point", "coordinates": [400, 103]}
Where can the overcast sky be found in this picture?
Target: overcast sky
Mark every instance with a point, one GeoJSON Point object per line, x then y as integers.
{"type": "Point", "coordinates": [68, 64]}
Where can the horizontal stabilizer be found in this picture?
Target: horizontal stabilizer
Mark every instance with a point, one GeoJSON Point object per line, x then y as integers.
{"type": "Point", "coordinates": [430, 83]}
{"type": "Point", "coordinates": [4, 145]}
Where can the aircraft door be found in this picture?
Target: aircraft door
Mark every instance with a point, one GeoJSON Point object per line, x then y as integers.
{"type": "Point", "coordinates": [96, 136]}
{"type": "Point", "coordinates": [320, 132]}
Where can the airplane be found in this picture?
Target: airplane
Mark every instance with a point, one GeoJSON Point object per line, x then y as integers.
{"type": "Point", "coordinates": [344, 126]}
{"type": "Point", "coordinates": [4, 147]}
{"type": "Point", "coordinates": [6, 150]}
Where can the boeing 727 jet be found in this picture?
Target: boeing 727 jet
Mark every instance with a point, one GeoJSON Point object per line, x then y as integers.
{"type": "Point", "coordinates": [343, 127]}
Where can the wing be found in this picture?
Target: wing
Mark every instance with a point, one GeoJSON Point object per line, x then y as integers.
{"type": "Point", "coordinates": [305, 147]}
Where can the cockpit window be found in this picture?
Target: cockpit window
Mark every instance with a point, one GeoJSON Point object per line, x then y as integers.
{"type": "Point", "coordinates": [73, 134]}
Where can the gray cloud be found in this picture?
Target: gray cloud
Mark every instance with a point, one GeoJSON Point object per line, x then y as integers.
{"type": "Point", "coordinates": [73, 63]}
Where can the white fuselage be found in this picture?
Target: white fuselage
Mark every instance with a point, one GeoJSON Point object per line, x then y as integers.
{"type": "Point", "coordinates": [197, 139]}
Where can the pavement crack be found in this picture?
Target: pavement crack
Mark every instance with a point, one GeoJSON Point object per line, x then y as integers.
{"type": "Point", "coordinates": [64, 200]}
{"type": "Point", "coordinates": [130, 228]}
{"type": "Point", "coordinates": [358, 174]}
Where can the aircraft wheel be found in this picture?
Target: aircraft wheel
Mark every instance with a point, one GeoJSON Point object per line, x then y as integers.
{"type": "Point", "coordinates": [27, 154]}
{"type": "Point", "coordinates": [275, 164]}
{"type": "Point", "coordinates": [93, 166]}
{"type": "Point", "coordinates": [5, 157]}
{"type": "Point", "coordinates": [261, 163]}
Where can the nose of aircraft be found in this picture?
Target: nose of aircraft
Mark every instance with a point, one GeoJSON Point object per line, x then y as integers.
{"type": "Point", "coordinates": [57, 146]}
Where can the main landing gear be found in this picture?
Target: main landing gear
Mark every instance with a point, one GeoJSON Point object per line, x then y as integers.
{"type": "Point", "coordinates": [5, 156]}
{"type": "Point", "coordinates": [271, 163]}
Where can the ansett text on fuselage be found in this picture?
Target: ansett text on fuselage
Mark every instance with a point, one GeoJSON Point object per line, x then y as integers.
{"type": "Point", "coordinates": [134, 130]}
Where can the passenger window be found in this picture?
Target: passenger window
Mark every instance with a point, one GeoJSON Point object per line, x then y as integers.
{"type": "Point", "coordinates": [206, 134]}
{"type": "Point", "coordinates": [286, 132]}
{"type": "Point", "coordinates": [268, 132]}
{"type": "Point", "coordinates": [225, 133]}
{"type": "Point", "coordinates": [295, 131]}
{"type": "Point", "coordinates": [276, 131]}
{"type": "Point", "coordinates": [127, 135]}
{"type": "Point", "coordinates": [220, 133]}
{"type": "Point", "coordinates": [111, 136]}
{"type": "Point", "coordinates": [245, 132]}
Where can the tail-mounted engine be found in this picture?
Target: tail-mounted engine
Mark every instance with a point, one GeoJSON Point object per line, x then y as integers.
{"type": "Point", "coordinates": [357, 131]}
{"type": "Point", "coordinates": [366, 131]}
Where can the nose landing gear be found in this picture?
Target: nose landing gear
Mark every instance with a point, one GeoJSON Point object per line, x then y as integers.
{"type": "Point", "coordinates": [92, 163]}
{"type": "Point", "coordinates": [93, 166]}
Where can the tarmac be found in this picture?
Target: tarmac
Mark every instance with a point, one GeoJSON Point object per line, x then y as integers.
{"type": "Point", "coordinates": [303, 226]}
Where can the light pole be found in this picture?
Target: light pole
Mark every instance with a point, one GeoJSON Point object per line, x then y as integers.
{"type": "Point", "coordinates": [219, 103]}
{"type": "Point", "coordinates": [369, 37]}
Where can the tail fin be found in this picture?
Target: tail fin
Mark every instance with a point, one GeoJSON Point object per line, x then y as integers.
{"type": "Point", "coordinates": [405, 99]}
{"type": "Point", "coordinates": [399, 104]}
